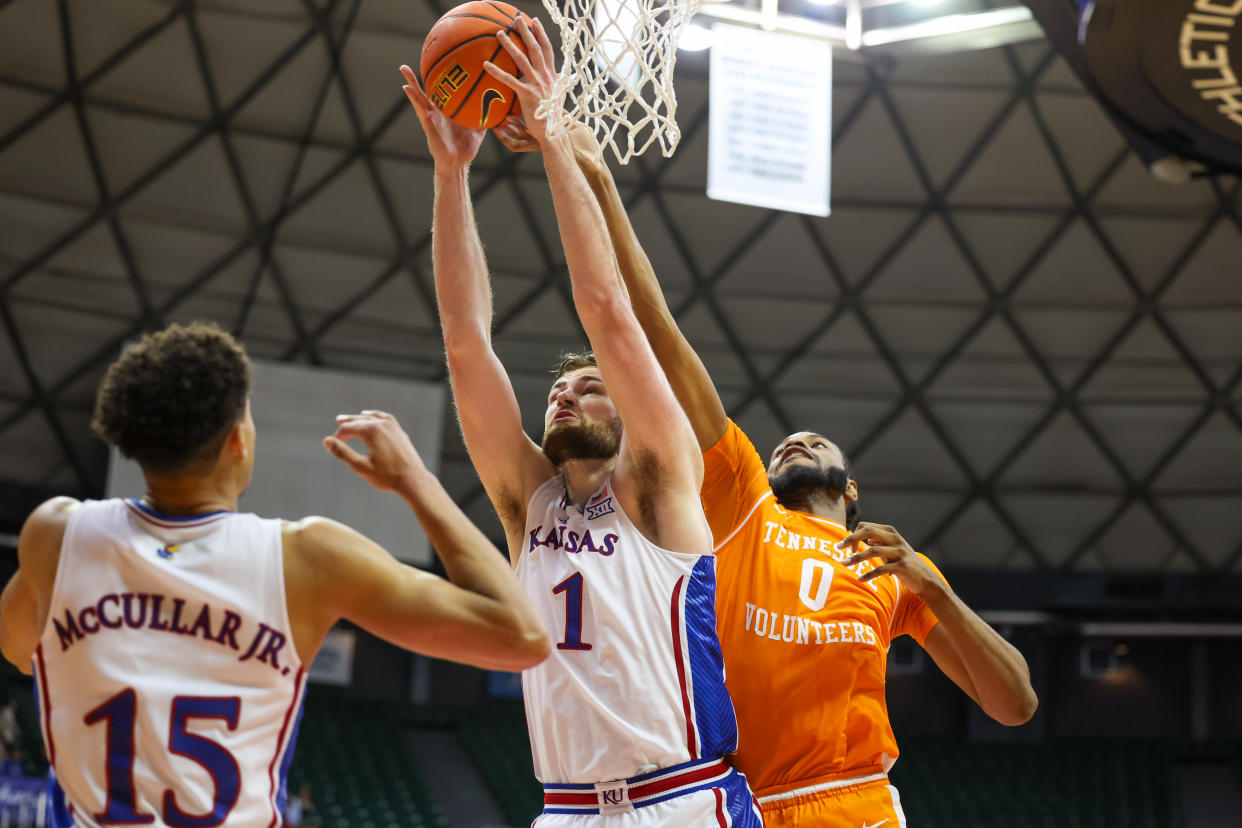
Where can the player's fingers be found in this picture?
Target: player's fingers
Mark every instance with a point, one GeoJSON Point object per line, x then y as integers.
{"type": "Point", "coordinates": [887, 569]}
{"type": "Point", "coordinates": [356, 418]}
{"type": "Point", "coordinates": [505, 78]}
{"type": "Point", "coordinates": [886, 553]}
{"type": "Point", "coordinates": [521, 60]}
{"type": "Point", "coordinates": [868, 532]}
{"type": "Point", "coordinates": [853, 539]}
{"type": "Point", "coordinates": [344, 453]}
{"type": "Point", "coordinates": [380, 415]}
{"type": "Point", "coordinates": [410, 92]}
{"type": "Point", "coordinates": [408, 74]}
{"type": "Point", "coordinates": [418, 100]}
{"type": "Point", "coordinates": [361, 428]}
{"type": "Point", "coordinates": [534, 53]}
{"type": "Point", "coordinates": [515, 126]}
{"type": "Point", "coordinates": [514, 141]}
{"type": "Point", "coordinates": [861, 555]}
{"type": "Point", "coordinates": [510, 132]}
{"type": "Point", "coordinates": [545, 43]}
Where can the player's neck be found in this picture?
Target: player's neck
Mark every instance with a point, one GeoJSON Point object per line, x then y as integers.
{"type": "Point", "coordinates": [817, 503]}
{"type": "Point", "coordinates": [584, 477]}
{"type": "Point", "coordinates": [180, 496]}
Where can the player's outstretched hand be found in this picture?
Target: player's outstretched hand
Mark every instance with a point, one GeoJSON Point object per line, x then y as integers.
{"type": "Point", "coordinates": [513, 133]}
{"type": "Point", "coordinates": [390, 462]}
{"type": "Point", "coordinates": [451, 144]}
{"type": "Point", "coordinates": [537, 72]}
{"type": "Point", "coordinates": [896, 556]}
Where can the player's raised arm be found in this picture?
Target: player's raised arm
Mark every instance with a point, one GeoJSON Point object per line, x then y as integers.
{"type": "Point", "coordinates": [686, 373]}
{"type": "Point", "coordinates": [479, 616]}
{"type": "Point", "coordinates": [982, 663]}
{"type": "Point", "coordinates": [507, 461]}
{"type": "Point", "coordinates": [657, 433]}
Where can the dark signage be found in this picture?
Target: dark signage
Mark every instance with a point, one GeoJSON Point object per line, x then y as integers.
{"type": "Point", "coordinates": [1191, 52]}
{"type": "Point", "coordinates": [1172, 69]}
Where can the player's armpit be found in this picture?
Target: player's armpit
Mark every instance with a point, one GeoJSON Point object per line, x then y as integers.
{"type": "Point", "coordinates": [19, 622]}
{"type": "Point", "coordinates": [334, 572]}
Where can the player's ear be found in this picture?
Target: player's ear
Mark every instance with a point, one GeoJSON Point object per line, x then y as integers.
{"type": "Point", "coordinates": [235, 443]}
{"type": "Point", "coordinates": [851, 492]}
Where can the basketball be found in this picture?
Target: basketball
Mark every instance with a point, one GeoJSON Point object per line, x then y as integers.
{"type": "Point", "coordinates": [451, 63]}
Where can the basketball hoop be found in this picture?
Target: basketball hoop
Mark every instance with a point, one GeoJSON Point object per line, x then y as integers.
{"type": "Point", "coordinates": [616, 77]}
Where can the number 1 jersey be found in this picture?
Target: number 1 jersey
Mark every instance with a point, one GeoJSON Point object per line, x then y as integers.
{"type": "Point", "coordinates": [636, 680]}
{"type": "Point", "coordinates": [168, 683]}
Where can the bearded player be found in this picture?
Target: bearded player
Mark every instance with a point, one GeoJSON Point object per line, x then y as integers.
{"type": "Point", "coordinates": [629, 718]}
{"type": "Point", "coordinates": [808, 599]}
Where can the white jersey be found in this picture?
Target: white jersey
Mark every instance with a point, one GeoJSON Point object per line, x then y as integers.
{"type": "Point", "coordinates": [169, 687]}
{"type": "Point", "coordinates": [636, 680]}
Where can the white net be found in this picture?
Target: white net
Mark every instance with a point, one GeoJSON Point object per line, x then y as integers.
{"type": "Point", "coordinates": [617, 59]}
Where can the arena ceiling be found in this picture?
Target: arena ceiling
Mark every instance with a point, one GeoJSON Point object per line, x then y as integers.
{"type": "Point", "coordinates": [1029, 346]}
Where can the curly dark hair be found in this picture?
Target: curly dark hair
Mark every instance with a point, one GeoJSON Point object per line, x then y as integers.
{"type": "Point", "coordinates": [573, 362]}
{"type": "Point", "coordinates": [169, 401]}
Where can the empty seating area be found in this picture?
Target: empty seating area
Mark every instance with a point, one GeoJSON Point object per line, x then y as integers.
{"type": "Point", "coordinates": [951, 784]}
{"type": "Point", "coordinates": [496, 740]}
{"type": "Point", "coordinates": [353, 757]}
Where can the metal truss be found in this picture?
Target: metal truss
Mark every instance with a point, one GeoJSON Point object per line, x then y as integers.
{"type": "Point", "coordinates": [325, 30]}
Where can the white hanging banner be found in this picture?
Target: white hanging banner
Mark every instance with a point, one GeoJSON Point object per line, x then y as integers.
{"type": "Point", "coordinates": [770, 135]}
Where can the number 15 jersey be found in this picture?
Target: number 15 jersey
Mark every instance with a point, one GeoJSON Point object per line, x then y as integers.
{"type": "Point", "coordinates": [169, 687]}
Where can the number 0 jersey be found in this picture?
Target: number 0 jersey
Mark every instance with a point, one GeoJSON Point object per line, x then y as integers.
{"type": "Point", "coordinates": [169, 687]}
{"type": "Point", "coordinates": [805, 642]}
{"type": "Point", "coordinates": [636, 680]}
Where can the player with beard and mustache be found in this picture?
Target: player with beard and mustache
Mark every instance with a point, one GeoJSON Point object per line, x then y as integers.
{"type": "Point", "coordinates": [808, 599]}
{"type": "Point", "coordinates": [629, 719]}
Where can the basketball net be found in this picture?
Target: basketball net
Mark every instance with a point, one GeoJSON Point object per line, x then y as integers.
{"type": "Point", "coordinates": [617, 59]}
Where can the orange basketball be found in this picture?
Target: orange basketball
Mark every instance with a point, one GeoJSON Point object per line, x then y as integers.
{"type": "Point", "coordinates": [451, 64]}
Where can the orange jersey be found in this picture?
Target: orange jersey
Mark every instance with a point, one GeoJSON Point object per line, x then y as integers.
{"type": "Point", "coordinates": [805, 642]}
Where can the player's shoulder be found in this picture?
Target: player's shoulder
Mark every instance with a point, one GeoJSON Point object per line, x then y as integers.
{"type": "Point", "coordinates": [730, 436]}
{"type": "Point", "coordinates": [51, 516]}
{"type": "Point", "coordinates": [43, 533]}
{"type": "Point", "coordinates": [322, 556]}
{"type": "Point", "coordinates": [316, 534]}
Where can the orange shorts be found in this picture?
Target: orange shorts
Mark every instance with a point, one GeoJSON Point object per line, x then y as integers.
{"type": "Point", "coordinates": [870, 802]}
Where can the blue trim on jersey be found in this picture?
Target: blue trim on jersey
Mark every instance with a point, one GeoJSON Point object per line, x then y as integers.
{"type": "Point", "coordinates": [282, 793]}
{"type": "Point", "coordinates": [713, 709]}
{"type": "Point", "coordinates": [57, 814]}
{"type": "Point", "coordinates": [147, 510]}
